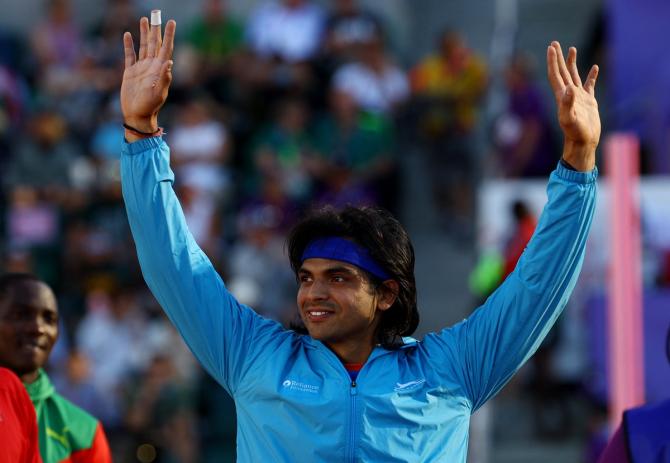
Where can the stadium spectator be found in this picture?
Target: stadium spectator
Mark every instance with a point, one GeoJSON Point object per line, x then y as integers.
{"type": "Point", "coordinates": [353, 154]}
{"type": "Point", "coordinates": [18, 427]}
{"type": "Point", "coordinates": [159, 414]}
{"type": "Point", "coordinates": [456, 78]}
{"type": "Point", "coordinates": [13, 101]}
{"type": "Point", "coordinates": [280, 153]}
{"type": "Point", "coordinates": [289, 30]}
{"type": "Point", "coordinates": [57, 45]}
{"type": "Point", "coordinates": [215, 35]}
{"type": "Point", "coordinates": [202, 147]}
{"type": "Point", "coordinates": [113, 317]}
{"type": "Point", "coordinates": [523, 135]}
{"type": "Point", "coordinates": [75, 384]}
{"type": "Point", "coordinates": [217, 39]}
{"type": "Point", "coordinates": [522, 230]}
{"type": "Point", "coordinates": [258, 274]}
{"type": "Point", "coordinates": [375, 82]}
{"type": "Point", "coordinates": [348, 27]}
{"type": "Point", "coordinates": [448, 89]}
{"type": "Point", "coordinates": [44, 161]}
{"type": "Point", "coordinates": [284, 37]}
{"type": "Point", "coordinates": [103, 145]}
{"type": "Point", "coordinates": [29, 328]}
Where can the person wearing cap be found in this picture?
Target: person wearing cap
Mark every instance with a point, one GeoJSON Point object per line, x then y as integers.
{"type": "Point", "coordinates": [350, 385]}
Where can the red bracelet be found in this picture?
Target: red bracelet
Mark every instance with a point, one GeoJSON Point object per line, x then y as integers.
{"type": "Point", "coordinates": [159, 132]}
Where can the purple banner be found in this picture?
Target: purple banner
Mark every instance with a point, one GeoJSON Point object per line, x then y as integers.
{"type": "Point", "coordinates": [656, 363]}
{"type": "Point", "coordinates": [639, 74]}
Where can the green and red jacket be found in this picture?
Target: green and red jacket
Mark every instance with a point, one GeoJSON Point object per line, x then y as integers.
{"type": "Point", "coordinates": [67, 434]}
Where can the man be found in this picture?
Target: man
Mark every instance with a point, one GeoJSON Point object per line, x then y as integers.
{"type": "Point", "coordinates": [355, 388]}
{"type": "Point", "coordinates": [28, 331]}
{"type": "Point", "coordinates": [449, 88]}
{"type": "Point", "coordinates": [18, 426]}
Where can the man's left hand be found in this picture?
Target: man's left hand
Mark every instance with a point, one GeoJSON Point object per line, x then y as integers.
{"type": "Point", "coordinates": [577, 107]}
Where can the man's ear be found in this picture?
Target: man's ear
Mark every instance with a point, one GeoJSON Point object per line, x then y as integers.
{"type": "Point", "coordinates": [387, 293]}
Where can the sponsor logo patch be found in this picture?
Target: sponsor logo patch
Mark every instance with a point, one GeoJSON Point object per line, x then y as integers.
{"type": "Point", "coordinates": [299, 386]}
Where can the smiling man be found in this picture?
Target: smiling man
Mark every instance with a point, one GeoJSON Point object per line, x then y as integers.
{"type": "Point", "coordinates": [352, 380]}
{"type": "Point", "coordinates": [28, 332]}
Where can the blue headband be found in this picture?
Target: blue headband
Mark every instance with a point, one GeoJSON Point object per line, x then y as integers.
{"type": "Point", "coordinates": [346, 251]}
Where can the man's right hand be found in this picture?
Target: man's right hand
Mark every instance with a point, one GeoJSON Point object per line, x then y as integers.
{"type": "Point", "coordinates": [147, 77]}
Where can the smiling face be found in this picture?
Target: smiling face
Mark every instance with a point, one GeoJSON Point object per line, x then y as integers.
{"type": "Point", "coordinates": [340, 307]}
{"type": "Point", "coordinates": [28, 326]}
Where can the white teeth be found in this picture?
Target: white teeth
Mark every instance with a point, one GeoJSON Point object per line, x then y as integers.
{"type": "Point", "coordinates": [317, 314]}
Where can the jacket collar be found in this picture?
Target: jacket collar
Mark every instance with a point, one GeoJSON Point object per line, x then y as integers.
{"type": "Point", "coordinates": [41, 388]}
{"type": "Point", "coordinates": [378, 351]}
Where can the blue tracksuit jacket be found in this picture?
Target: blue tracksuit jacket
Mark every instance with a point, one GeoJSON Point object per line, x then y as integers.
{"type": "Point", "coordinates": [295, 400]}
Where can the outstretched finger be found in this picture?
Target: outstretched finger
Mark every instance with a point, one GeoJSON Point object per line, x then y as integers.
{"type": "Point", "coordinates": [590, 85]}
{"type": "Point", "coordinates": [168, 41]}
{"type": "Point", "coordinates": [553, 73]}
{"type": "Point", "coordinates": [572, 67]}
{"type": "Point", "coordinates": [565, 75]}
{"type": "Point", "coordinates": [128, 49]}
{"type": "Point", "coordinates": [144, 37]}
{"type": "Point", "coordinates": [154, 37]}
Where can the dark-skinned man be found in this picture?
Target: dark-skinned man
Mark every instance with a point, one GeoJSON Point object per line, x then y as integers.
{"type": "Point", "coordinates": [28, 332]}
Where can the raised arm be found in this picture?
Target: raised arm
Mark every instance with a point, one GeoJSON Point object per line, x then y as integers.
{"type": "Point", "coordinates": [486, 349]}
{"type": "Point", "coordinates": [224, 335]}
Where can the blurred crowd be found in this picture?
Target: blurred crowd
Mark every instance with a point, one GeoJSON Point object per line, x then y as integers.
{"type": "Point", "coordinates": [299, 104]}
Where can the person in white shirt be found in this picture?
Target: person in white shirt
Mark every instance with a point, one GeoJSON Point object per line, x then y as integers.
{"type": "Point", "coordinates": [375, 82]}
{"type": "Point", "coordinates": [288, 29]}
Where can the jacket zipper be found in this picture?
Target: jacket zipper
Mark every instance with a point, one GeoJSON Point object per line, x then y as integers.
{"type": "Point", "coordinates": [353, 392]}
{"type": "Point", "coordinates": [352, 428]}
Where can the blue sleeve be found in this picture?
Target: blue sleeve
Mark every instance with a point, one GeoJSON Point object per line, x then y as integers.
{"type": "Point", "coordinates": [487, 348]}
{"type": "Point", "coordinates": [226, 336]}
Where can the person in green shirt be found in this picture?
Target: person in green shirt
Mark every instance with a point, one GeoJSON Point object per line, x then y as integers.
{"type": "Point", "coordinates": [216, 35]}
{"type": "Point", "coordinates": [28, 332]}
{"type": "Point", "coordinates": [353, 150]}
{"type": "Point", "coordinates": [215, 40]}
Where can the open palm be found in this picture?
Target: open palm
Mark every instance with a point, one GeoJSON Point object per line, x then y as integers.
{"type": "Point", "coordinates": [577, 106]}
{"type": "Point", "coordinates": [147, 76]}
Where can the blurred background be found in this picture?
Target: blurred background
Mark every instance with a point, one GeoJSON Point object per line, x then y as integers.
{"type": "Point", "coordinates": [437, 110]}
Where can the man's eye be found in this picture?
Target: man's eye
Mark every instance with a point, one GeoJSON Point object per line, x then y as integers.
{"type": "Point", "coordinates": [338, 279]}
{"type": "Point", "coordinates": [304, 279]}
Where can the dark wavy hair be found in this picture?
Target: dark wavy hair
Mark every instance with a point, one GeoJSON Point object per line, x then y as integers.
{"type": "Point", "coordinates": [388, 244]}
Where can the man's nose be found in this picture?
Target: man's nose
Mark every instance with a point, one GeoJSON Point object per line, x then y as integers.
{"type": "Point", "coordinates": [318, 291]}
{"type": "Point", "coordinates": [35, 326]}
